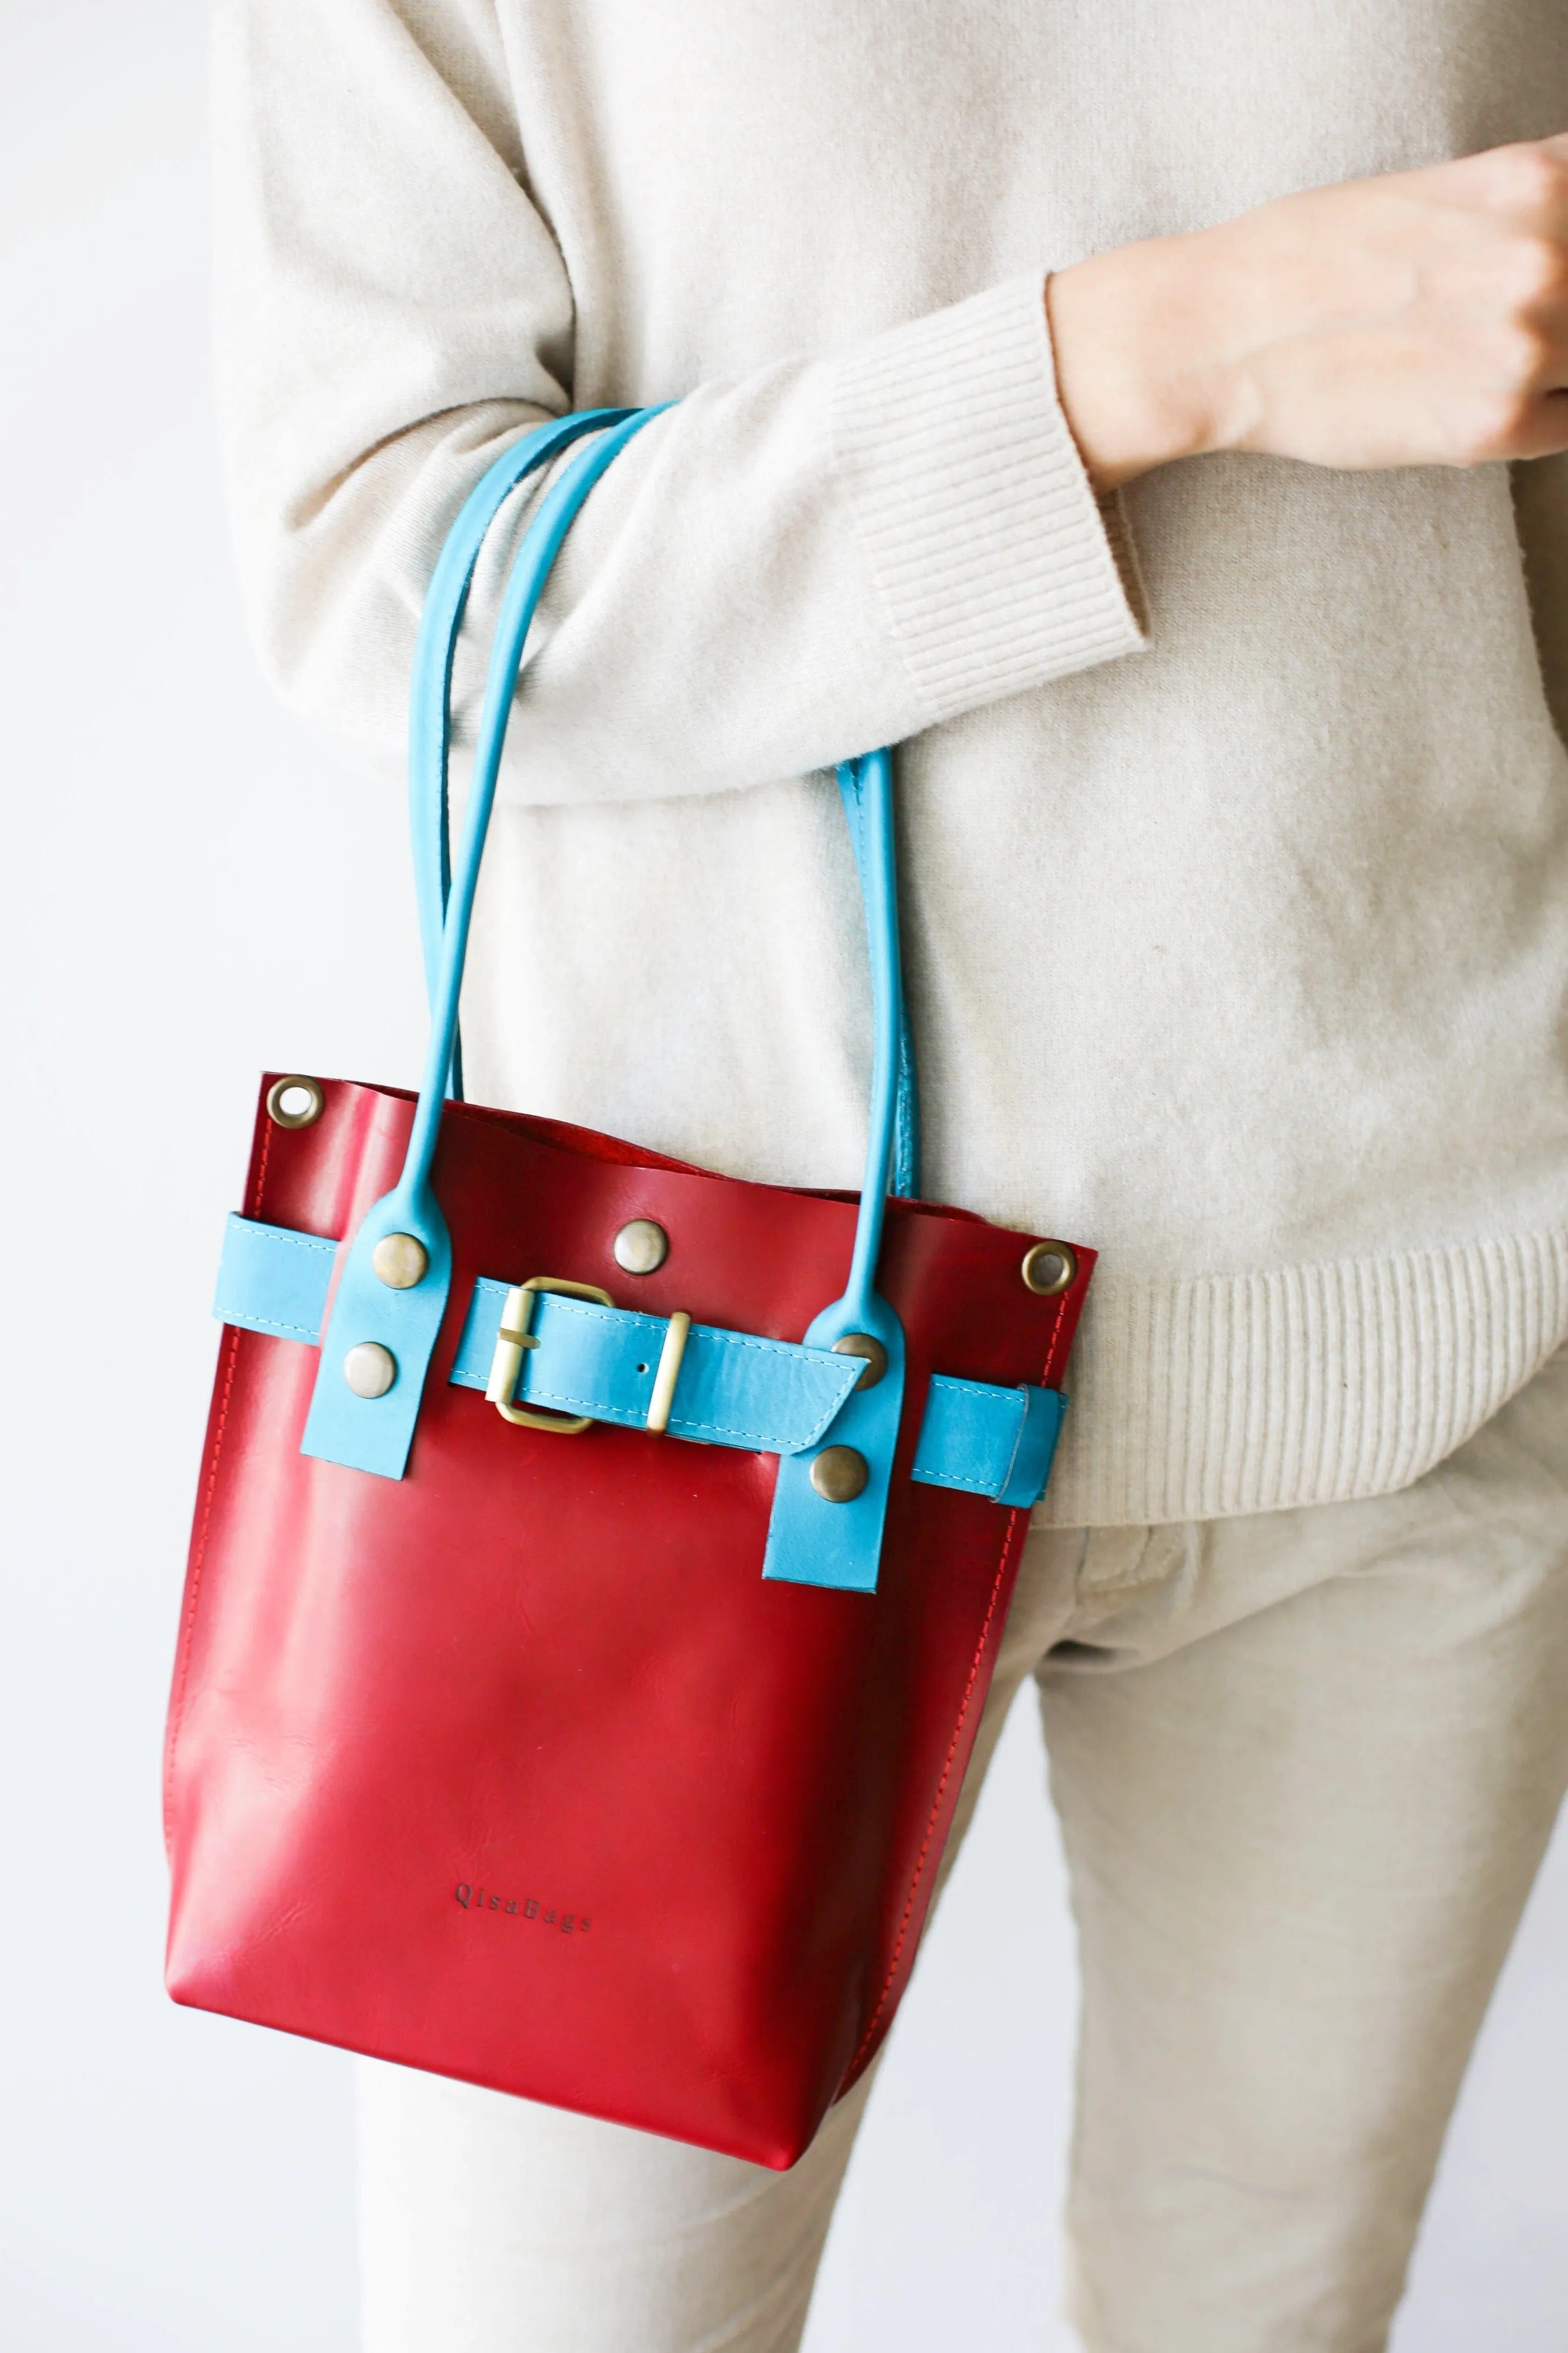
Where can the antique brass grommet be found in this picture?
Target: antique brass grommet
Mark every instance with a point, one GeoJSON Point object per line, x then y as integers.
{"type": "Point", "coordinates": [401, 1261]}
{"type": "Point", "coordinates": [838, 1474]}
{"type": "Point", "coordinates": [370, 1369]}
{"type": "Point", "coordinates": [641, 1247]}
{"type": "Point", "coordinates": [861, 1344]}
{"type": "Point", "coordinates": [1050, 1269]}
{"type": "Point", "coordinates": [303, 1114]}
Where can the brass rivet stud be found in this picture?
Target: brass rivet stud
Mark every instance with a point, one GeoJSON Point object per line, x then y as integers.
{"type": "Point", "coordinates": [401, 1261]}
{"type": "Point", "coordinates": [370, 1369]}
{"type": "Point", "coordinates": [1050, 1269]}
{"type": "Point", "coordinates": [861, 1344]}
{"type": "Point", "coordinates": [641, 1247]}
{"type": "Point", "coordinates": [838, 1474]}
{"type": "Point", "coordinates": [295, 1102]}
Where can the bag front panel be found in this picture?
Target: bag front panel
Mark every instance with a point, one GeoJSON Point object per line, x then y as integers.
{"type": "Point", "coordinates": [517, 1769]}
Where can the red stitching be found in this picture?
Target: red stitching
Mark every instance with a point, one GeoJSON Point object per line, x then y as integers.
{"type": "Point", "coordinates": [198, 1559]}
{"type": "Point", "coordinates": [188, 1630]}
{"type": "Point", "coordinates": [936, 1802]}
{"type": "Point", "coordinates": [261, 1169]}
{"type": "Point", "coordinates": [947, 1763]}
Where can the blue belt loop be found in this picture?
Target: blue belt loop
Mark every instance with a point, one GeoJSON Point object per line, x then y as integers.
{"type": "Point", "coordinates": [1038, 1430]}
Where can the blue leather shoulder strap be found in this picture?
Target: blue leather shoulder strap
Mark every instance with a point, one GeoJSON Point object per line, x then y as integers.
{"type": "Point", "coordinates": [812, 1541]}
{"type": "Point", "coordinates": [905, 1178]}
{"type": "Point", "coordinates": [430, 704]}
{"type": "Point", "coordinates": [430, 730]}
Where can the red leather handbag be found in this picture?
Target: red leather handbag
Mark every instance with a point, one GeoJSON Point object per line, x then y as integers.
{"type": "Point", "coordinates": [598, 1564]}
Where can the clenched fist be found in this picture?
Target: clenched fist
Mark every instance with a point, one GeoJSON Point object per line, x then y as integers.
{"type": "Point", "coordinates": [1418, 318]}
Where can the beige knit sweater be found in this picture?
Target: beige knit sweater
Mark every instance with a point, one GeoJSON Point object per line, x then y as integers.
{"type": "Point", "coordinates": [1236, 905]}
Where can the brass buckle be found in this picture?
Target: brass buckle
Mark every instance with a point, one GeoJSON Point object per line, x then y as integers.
{"type": "Point", "coordinates": [514, 1337]}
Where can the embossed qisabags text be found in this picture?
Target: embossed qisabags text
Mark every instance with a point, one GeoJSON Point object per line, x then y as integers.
{"type": "Point", "coordinates": [528, 1907]}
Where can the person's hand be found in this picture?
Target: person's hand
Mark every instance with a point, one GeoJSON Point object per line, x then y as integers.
{"type": "Point", "coordinates": [1418, 318]}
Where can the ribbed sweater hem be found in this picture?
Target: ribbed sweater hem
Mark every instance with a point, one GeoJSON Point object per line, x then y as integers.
{"type": "Point", "coordinates": [1315, 1384]}
{"type": "Point", "coordinates": [997, 565]}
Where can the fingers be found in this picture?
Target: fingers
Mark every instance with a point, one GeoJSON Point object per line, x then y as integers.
{"type": "Point", "coordinates": [1545, 432]}
{"type": "Point", "coordinates": [1526, 183]}
{"type": "Point", "coordinates": [1522, 192]}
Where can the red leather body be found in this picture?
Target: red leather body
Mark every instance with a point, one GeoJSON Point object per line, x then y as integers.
{"type": "Point", "coordinates": [516, 1769]}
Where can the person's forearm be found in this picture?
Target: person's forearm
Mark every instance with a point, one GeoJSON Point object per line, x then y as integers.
{"type": "Point", "coordinates": [1416, 319]}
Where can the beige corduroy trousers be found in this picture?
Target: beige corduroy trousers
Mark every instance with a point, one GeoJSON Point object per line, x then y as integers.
{"type": "Point", "coordinates": [1306, 1765]}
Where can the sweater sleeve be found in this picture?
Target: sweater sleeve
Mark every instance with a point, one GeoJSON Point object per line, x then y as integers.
{"type": "Point", "coordinates": [793, 565]}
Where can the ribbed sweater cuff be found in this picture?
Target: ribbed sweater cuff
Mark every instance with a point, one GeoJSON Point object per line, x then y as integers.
{"type": "Point", "coordinates": [998, 566]}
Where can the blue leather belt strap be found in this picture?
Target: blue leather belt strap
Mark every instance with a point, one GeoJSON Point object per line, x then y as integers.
{"type": "Point", "coordinates": [769, 1397]}
{"type": "Point", "coordinates": [993, 1441]}
{"type": "Point", "coordinates": [733, 1390]}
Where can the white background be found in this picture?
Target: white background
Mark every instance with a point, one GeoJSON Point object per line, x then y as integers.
{"type": "Point", "coordinates": [192, 889]}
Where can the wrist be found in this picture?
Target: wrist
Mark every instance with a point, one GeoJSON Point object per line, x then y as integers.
{"type": "Point", "coordinates": [1133, 349]}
